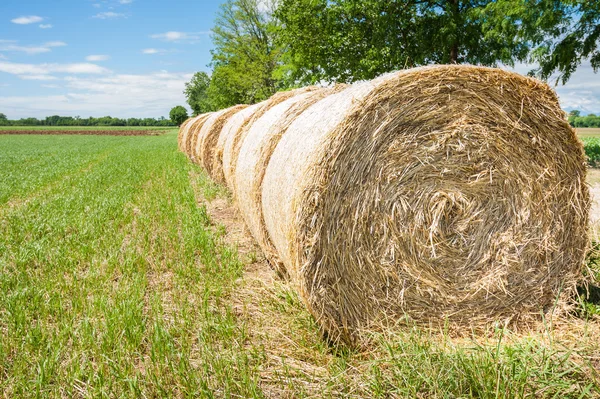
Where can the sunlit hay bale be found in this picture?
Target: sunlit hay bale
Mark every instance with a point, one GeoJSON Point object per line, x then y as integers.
{"type": "Point", "coordinates": [183, 131]}
{"type": "Point", "coordinates": [209, 134]}
{"type": "Point", "coordinates": [446, 194]}
{"type": "Point", "coordinates": [255, 151]}
{"type": "Point", "coordinates": [232, 145]}
{"type": "Point", "coordinates": [230, 129]}
{"type": "Point", "coordinates": [180, 136]}
{"type": "Point", "coordinates": [191, 132]}
{"type": "Point", "coordinates": [199, 130]}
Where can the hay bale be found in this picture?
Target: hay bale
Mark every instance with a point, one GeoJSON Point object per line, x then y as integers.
{"type": "Point", "coordinates": [180, 136]}
{"type": "Point", "coordinates": [230, 129]}
{"type": "Point", "coordinates": [447, 193]}
{"type": "Point", "coordinates": [197, 130]}
{"type": "Point", "coordinates": [209, 135]}
{"type": "Point", "coordinates": [183, 131]}
{"type": "Point", "coordinates": [192, 132]}
{"type": "Point", "coordinates": [232, 145]}
{"type": "Point", "coordinates": [255, 151]}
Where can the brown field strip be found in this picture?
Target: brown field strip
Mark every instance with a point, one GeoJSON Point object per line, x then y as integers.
{"type": "Point", "coordinates": [155, 132]}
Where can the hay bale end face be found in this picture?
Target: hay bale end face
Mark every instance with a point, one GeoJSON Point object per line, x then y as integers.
{"type": "Point", "coordinates": [433, 195]}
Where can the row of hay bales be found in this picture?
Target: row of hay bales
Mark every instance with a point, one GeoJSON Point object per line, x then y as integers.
{"type": "Point", "coordinates": [441, 194]}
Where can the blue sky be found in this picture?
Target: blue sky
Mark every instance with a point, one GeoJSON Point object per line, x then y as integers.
{"type": "Point", "coordinates": [130, 58]}
{"type": "Point", "coordinates": [100, 57]}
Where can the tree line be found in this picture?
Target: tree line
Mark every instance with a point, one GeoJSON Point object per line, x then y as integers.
{"type": "Point", "coordinates": [263, 46]}
{"type": "Point", "coordinates": [57, 120]}
{"type": "Point", "coordinates": [577, 120]}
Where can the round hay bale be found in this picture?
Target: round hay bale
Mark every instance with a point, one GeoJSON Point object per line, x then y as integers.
{"type": "Point", "coordinates": [209, 135]}
{"type": "Point", "coordinates": [231, 148]}
{"type": "Point", "coordinates": [183, 132]}
{"type": "Point", "coordinates": [182, 128]}
{"type": "Point", "coordinates": [231, 128]}
{"type": "Point", "coordinates": [192, 132]}
{"type": "Point", "coordinates": [439, 194]}
{"type": "Point", "coordinates": [197, 130]}
{"type": "Point", "coordinates": [255, 151]}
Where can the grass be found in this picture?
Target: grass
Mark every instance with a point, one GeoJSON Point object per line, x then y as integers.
{"type": "Point", "coordinates": [114, 282]}
{"type": "Point", "coordinates": [64, 128]}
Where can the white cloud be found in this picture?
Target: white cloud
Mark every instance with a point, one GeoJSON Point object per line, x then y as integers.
{"type": "Point", "coordinates": [125, 1]}
{"type": "Point", "coordinates": [153, 51]}
{"type": "Point", "coordinates": [581, 92]}
{"type": "Point", "coordinates": [25, 70]}
{"type": "Point", "coordinates": [38, 77]}
{"type": "Point", "coordinates": [25, 49]}
{"type": "Point", "coordinates": [97, 5]}
{"type": "Point", "coordinates": [109, 15]}
{"type": "Point", "coordinates": [45, 26]}
{"type": "Point", "coordinates": [51, 86]}
{"type": "Point", "coordinates": [149, 95]}
{"type": "Point", "coordinates": [8, 45]}
{"type": "Point", "coordinates": [178, 36]}
{"type": "Point", "coordinates": [31, 19]}
{"type": "Point", "coordinates": [55, 44]}
{"type": "Point", "coordinates": [95, 58]}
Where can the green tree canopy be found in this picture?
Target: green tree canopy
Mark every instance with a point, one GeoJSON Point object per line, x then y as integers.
{"type": "Point", "coordinates": [346, 40]}
{"type": "Point", "coordinates": [178, 115]}
{"type": "Point", "coordinates": [196, 93]}
{"type": "Point", "coordinates": [246, 55]}
{"type": "Point", "coordinates": [577, 39]}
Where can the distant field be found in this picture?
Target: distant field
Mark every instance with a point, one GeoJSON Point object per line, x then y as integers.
{"type": "Point", "coordinates": [588, 132]}
{"type": "Point", "coordinates": [85, 130]}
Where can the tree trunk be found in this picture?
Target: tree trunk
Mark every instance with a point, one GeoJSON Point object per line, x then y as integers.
{"type": "Point", "coordinates": [454, 7]}
{"type": "Point", "coordinates": [454, 54]}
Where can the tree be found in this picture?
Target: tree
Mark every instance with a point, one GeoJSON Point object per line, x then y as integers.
{"type": "Point", "coordinates": [178, 115]}
{"type": "Point", "coordinates": [560, 33]}
{"type": "Point", "coordinates": [246, 57]}
{"type": "Point", "coordinates": [347, 40]}
{"type": "Point", "coordinates": [3, 119]}
{"type": "Point", "coordinates": [196, 93]}
{"type": "Point", "coordinates": [577, 40]}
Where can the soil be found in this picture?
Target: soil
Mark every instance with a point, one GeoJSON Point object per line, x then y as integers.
{"type": "Point", "coordinates": [90, 132]}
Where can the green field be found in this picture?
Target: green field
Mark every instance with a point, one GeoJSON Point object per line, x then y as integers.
{"type": "Point", "coordinates": [42, 128]}
{"type": "Point", "coordinates": [115, 282]}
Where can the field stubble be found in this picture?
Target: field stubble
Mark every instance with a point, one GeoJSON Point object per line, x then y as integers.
{"type": "Point", "coordinates": [125, 272]}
